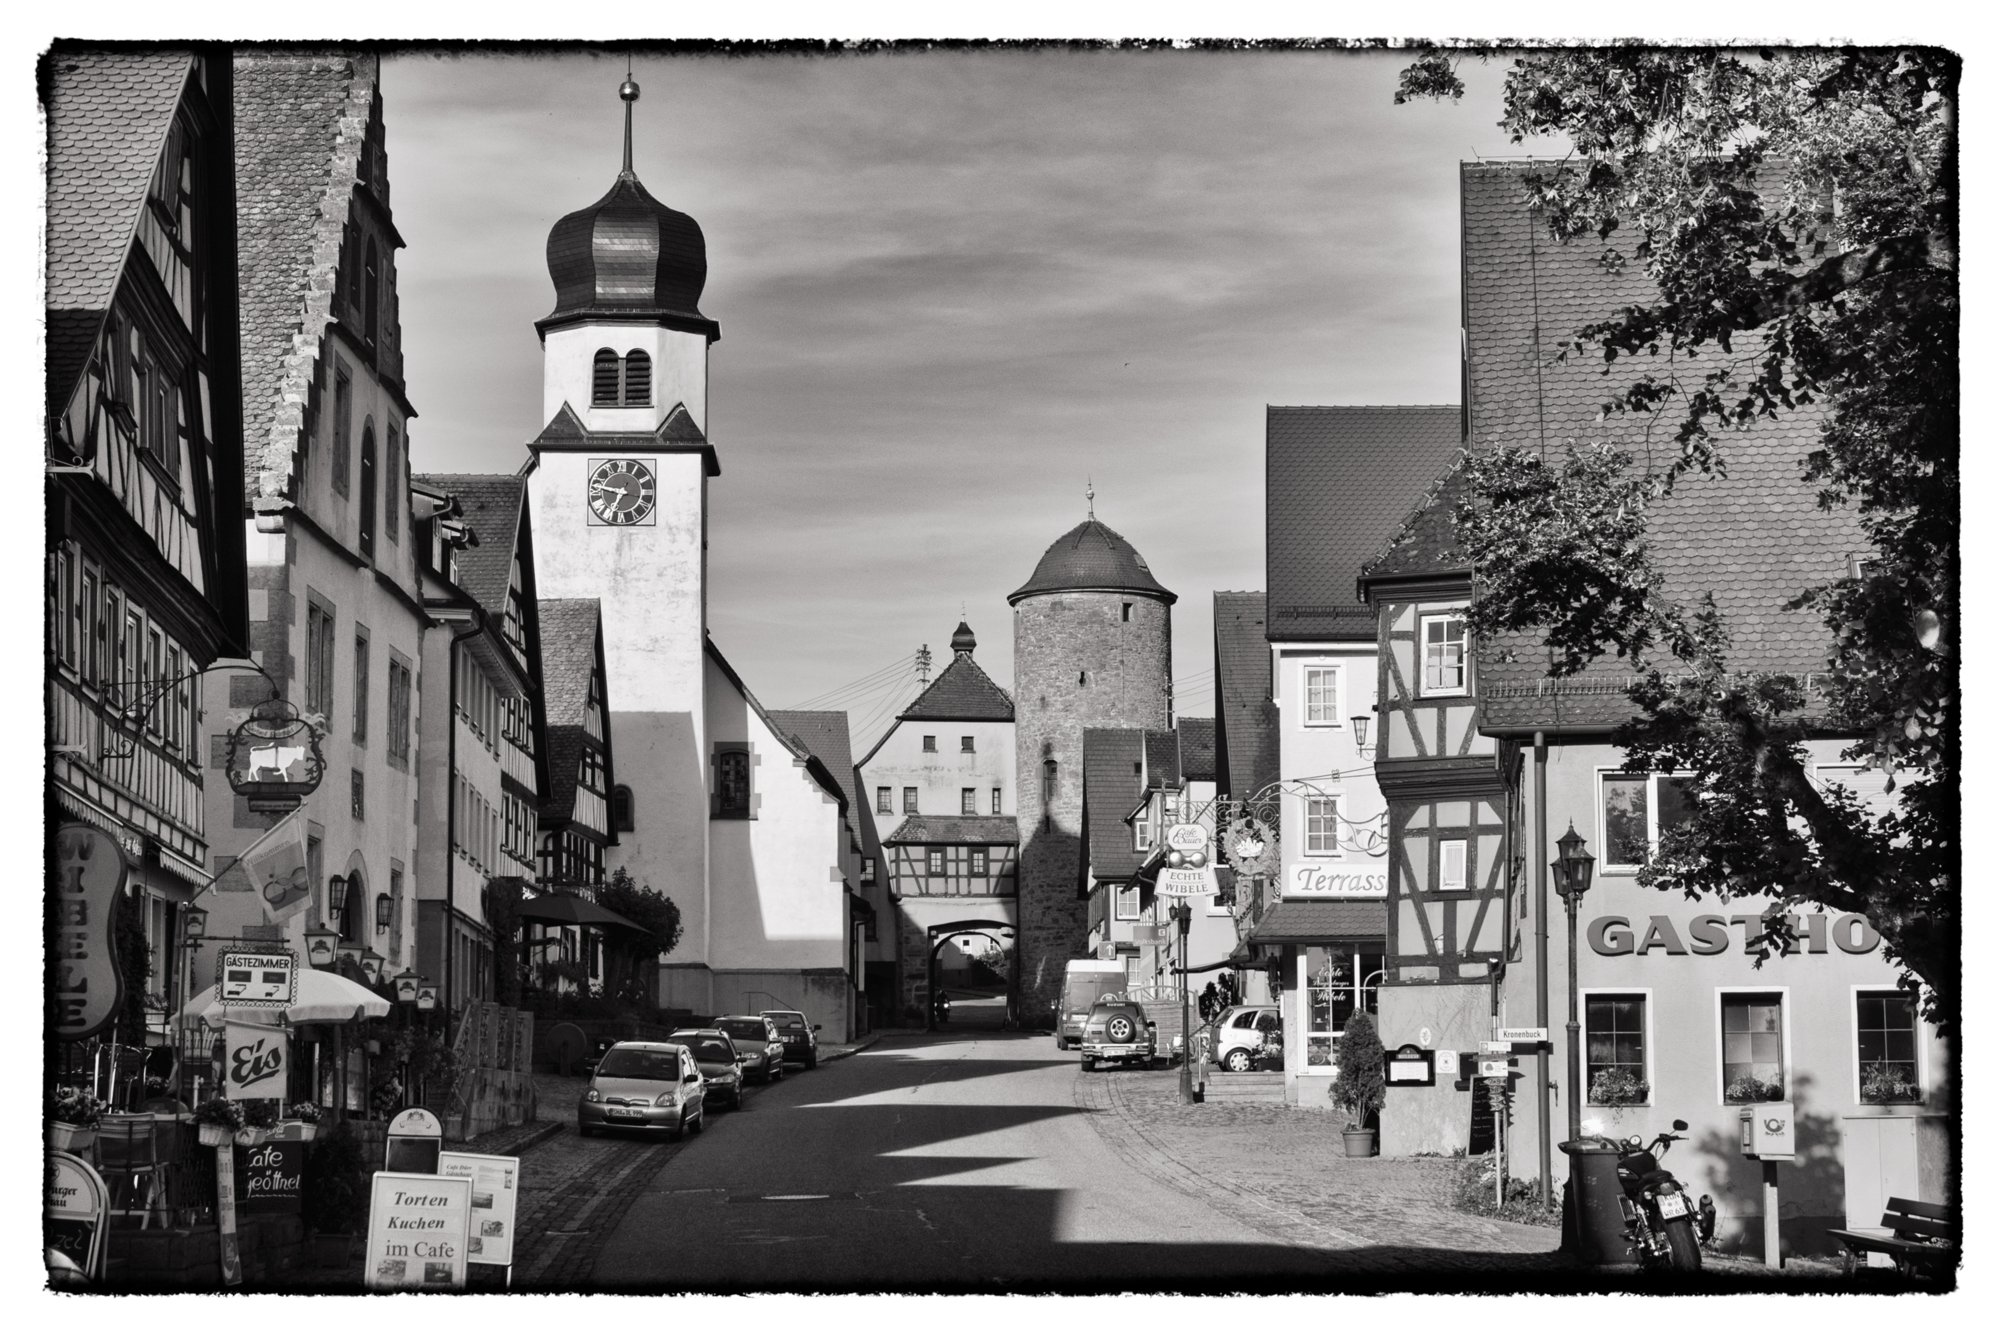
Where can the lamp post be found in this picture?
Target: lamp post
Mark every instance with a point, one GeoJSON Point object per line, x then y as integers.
{"type": "Point", "coordinates": [194, 929]}
{"type": "Point", "coordinates": [322, 947]}
{"type": "Point", "coordinates": [1573, 866]}
{"type": "Point", "coordinates": [1182, 915]}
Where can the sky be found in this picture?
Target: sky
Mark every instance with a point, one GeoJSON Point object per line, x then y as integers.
{"type": "Point", "coordinates": [954, 288]}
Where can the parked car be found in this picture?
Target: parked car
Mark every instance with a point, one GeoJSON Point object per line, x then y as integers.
{"type": "Point", "coordinates": [715, 1055]}
{"type": "Point", "coordinates": [1238, 1042]}
{"type": "Point", "coordinates": [799, 1036]}
{"type": "Point", "coordinates": [757, 1043]}
{"type": "Point", "coordinates": [643, 1086]}
{"type": "Point", "coordinates": [1116, 1031]}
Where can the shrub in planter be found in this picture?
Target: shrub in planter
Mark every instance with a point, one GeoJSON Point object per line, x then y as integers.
{"type": "Point", "coordinates": [1360, 1089]}
{"type": "Point", "coordinates": [261, 1113]}
{"type": "Point", "coordinates": [75, 1107]}
{"type": "Point", "coordinates": [218, 1119]}
{"type": "Point", "coordinates": [1616, 1087]}
{"type": "Point", "coordinates": [1750, 1089]}
{"type": "Point", "coordinates": [1884, 1083]}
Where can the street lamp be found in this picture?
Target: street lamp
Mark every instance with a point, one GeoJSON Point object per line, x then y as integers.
{"type": "Point", "coordinates": [1573, 865]}
{"type": "Point", "coordinates": [1182, 915]}
{"type": "Point", "coordinates": [321, 947]}
{"type": "Point", "coordinates": [371, 965]}
{"type": "Point", "coordinates": [406, 986]}
{"type": "Point", "coordinates": [1360, 723]}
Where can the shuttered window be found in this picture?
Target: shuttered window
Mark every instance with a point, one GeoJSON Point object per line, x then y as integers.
{"type": "Point", "coordinates": [638, 379]}
{"type": "Point", "coordinates": [604, 379]}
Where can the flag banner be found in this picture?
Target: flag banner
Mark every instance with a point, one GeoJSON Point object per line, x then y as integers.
{"type": "Point", "coordinates": [274, 867]}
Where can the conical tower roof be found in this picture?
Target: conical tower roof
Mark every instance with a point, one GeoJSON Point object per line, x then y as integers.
{"type": "Point", "coordinates": [1093, 557]}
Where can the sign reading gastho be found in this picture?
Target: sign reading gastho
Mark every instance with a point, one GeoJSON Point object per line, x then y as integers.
{"type": "Point", "coordinates": [417, 1232]}
{"type": "Point", "coordinates": [254, 1062]}
{"type": "Point", "coordinates": [89, 878]}
{"type": "Point", "coordinates": [1185, 881]}
{"type": "Point", "coordinates": [257, 978]}
{"type": "Point", "coordinates": [1337, 881]}
{"type": "Point", "coordinates": [495, 1191]}
{"type": "Point", "coordinates": [1708, 934]}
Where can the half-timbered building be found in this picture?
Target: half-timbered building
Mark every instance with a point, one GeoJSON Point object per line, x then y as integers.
{"type": "Point", "coordinates": [486, 757]}
{"type": "Point", "coordinates": [1337, 481]}
{"type": "Point", "coordinates": [144, 565]}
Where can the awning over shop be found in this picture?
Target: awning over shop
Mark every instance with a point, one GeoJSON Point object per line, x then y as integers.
{"type": "Point", "coordinates": [573, 910]}
{"type": "Point", "coordinates": [1321, 922]}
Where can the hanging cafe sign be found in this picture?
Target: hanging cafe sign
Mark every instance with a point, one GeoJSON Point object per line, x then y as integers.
{"type": "Point", "coordinates": [1186, 871]}
{"type": "Point", "coordinates": [273, 757]}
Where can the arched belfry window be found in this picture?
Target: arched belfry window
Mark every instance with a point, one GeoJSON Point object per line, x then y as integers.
{"type": "Point", "coordinates": [368, 489]}
{"type": "Point", "coordinates": [621, 808]}
{"type": "Point", "coordinates": [604, 378]}
{"type": "Point", "coordinates": [638, 379]}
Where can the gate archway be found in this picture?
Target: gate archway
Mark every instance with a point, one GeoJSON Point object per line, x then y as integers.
{"type": "Point", "coordinates": [938, 935]}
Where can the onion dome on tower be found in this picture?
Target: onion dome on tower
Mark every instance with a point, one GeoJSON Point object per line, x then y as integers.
{"type": "Point", "coordinates": [1093, 557]}
{"type": "Point", "coordinates": [628, 257]}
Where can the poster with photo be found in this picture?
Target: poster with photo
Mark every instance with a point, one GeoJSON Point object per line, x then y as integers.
{"type": "Point", "coordinates": [417, 1227]}
{"type": "Point", "coordinates": [496, 1190]}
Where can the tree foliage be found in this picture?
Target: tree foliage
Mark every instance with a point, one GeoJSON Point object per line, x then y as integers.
{"type": "Point", "coordinates": [1796, 212]}
{"type": "Point", "coordinates": [633, 899]}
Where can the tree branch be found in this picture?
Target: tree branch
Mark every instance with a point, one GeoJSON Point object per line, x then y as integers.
{"type": "Point", "coordinates": [1902, 253]}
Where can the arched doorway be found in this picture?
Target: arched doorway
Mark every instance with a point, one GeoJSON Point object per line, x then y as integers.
{"type": "Point", "coordinates": [976, 963]}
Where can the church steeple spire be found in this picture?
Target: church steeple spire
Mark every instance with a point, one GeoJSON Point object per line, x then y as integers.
{"type": "Point", "coordinates": [628, 92]}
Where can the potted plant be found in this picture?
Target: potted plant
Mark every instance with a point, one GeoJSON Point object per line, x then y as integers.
{"type": "Point", "coordinates": [73, 1117]}
{"type": "Point", "coordinates": [1271, 1050]}
{"type": "Point", "coordinates": [305, 1118]}
{"type": "Point", "coordinates": [217, 1120]}
{"type": "Point", "coordinates": [1360, 1088]}
{"type": "Point", "coordinates": [260, 1117]}
{"type": "Point", "coordinates": [1751, 1089]}
{"type": "Point", "coordinates": [1882, 1082]}
{"type": "Point", "coordinates": [1616, 1087]}
{"type": "Point", "coordinates": [335, 1199]}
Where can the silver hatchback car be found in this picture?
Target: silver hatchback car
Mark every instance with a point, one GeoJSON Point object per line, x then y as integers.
{"type": "Point", "coordinates": [646, 1087]}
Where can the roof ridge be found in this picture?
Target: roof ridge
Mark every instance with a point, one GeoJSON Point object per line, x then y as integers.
{"type": "Point", "coordinates": [1432, 492]}
{"type": "Point", "coordinates": [1365, 406]}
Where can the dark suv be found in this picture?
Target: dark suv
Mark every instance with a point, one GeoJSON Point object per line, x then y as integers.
{"type": "Point", "coordinates": [1117, 1030]}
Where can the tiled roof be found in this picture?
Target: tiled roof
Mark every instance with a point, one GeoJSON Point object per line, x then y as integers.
{"type": "Point", "coordinates": [956, 830]}
{"type": "Point", "coordinates": [1092, 557]}
{"type": "Point", "coordinates": [492, 507]}
{"type": "Point", "coordinates": [1427, 541]}
{"type": "Point", "coordinates": [816, 769]}
{"type": "Point", "coordinates": [1754, 540]}
{"type": "Point", "coordinates": [569, 657]}
{"type": "Point", "coordinates": [1337, 481]}
{"type": "Point", "coordinates": [301, 117]}
{"type": "Point", "coordinates": [1163, 759]}
{"type": "Point", "coordinates": [1322, 921]}
{"type": "Point", "coordinates": [962, 692]}
{"type": "Point", "coordinates": [823, 733]}
{"type": "Point", "coordinates": [108, 114]}
{"type": "Point", "coordinates": [1246, 721]}
{"type": "Point", "coordinates": [1197, 735]}
{"type": "Point", "coordinates": [1110, 791]}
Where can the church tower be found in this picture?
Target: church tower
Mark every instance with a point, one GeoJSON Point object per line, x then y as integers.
{"type": "Point", "coordinates": [618, 480]}
{"type": "Point", "coordinates": [1093, 648]}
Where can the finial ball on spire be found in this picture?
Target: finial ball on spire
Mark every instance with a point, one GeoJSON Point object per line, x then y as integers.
{"type": "Point", "coordinates": [628, 91]}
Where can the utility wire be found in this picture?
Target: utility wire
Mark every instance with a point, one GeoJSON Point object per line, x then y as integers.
{"type": "Point", "coordinates": [901, 662]}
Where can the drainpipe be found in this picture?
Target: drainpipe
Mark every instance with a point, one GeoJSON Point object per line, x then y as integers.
{"type": "Point", "coordinates": [1542, 953]}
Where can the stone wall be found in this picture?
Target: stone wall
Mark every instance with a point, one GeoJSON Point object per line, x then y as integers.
{"type": "Point", "coordinates": [1078, 663]}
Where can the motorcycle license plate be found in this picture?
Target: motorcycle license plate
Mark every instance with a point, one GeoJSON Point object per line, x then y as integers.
{"type": "Point", "coordinates": [1673, 1206]}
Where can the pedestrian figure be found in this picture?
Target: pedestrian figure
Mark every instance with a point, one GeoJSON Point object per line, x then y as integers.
{"type": "Point", "coordinates": [1207, 1003]}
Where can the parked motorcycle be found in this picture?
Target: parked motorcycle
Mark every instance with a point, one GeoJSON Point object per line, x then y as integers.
{"type": "Point", "coordinates": [940, 1008]}
{"type": "Point", "coordinates": [1663, 1223]}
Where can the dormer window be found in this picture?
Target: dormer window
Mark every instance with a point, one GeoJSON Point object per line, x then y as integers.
{"type": "Point", "coordinates": [1444, 655]}
{"type": "Point", "coordinates": [621, 382]}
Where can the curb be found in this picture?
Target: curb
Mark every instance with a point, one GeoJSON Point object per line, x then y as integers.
{"type": "Point", "coordinates": [852, 1048]}
{"type": "Point", "coordinates": [548, 1131]}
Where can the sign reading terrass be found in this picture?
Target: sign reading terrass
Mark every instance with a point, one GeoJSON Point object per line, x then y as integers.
{"type": "Point", "coordinates": [1336, 881]}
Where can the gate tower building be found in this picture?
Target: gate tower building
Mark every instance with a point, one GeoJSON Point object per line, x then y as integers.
{"type": "Point", "coordinates": [1093, 648]}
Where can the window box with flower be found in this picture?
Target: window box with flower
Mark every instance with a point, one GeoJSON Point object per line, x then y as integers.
{"type": "Point", "coordinates": [73, 1117]}
{"type": "Point", "coordinates": [1750, 1089]}
{"type": "Point", "coordinates": [217, 1121]}
{"type": "Point", "coordinates": [1887, 1082]}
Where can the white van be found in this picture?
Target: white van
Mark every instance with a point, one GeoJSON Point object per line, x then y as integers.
{"type": "Point", "coordinates": [1084, 981]}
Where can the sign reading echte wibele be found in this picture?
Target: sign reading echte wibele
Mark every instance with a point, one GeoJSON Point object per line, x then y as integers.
{"type": "Point", "coordinates": [89, 878]}
{"type": "Point", "coordinates": [417, 1232]}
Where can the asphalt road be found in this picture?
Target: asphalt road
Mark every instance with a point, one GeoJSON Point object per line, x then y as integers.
{"type": "Point", "coordinates": [961, 1160]}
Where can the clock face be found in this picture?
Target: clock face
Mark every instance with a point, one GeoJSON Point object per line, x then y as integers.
{"type": "Point", "coordinates": [621, 492]}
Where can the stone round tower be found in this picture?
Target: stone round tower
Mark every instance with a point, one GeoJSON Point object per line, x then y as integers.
{"type": "Point", "coordinates": [1093, 648]}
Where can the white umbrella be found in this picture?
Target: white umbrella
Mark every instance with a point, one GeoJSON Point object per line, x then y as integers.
{"type": "Point", "coordinates": [322, 998]}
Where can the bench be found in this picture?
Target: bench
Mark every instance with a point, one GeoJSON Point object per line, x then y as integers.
{"type": "Point", "coordinates": [1919, 1237]}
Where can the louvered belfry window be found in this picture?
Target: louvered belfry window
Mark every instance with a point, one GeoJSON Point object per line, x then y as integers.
{"type": "Point", "coordinates": [638, 379]}
{"type": "Point", "coordinates": [604, 379]}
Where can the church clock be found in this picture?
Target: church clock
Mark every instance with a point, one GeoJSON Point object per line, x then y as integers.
{"type": "Point", "coordinates": [622, 493]}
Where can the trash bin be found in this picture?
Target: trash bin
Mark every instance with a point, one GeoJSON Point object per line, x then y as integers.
{"type": "Point", "coordinates": [1593, 1215]}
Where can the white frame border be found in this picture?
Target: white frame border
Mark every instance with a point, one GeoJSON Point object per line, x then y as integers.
{"type": "Point", "coordinates": [1338, 668]}
{"type": "Point", "coordinates": [1464, 689]}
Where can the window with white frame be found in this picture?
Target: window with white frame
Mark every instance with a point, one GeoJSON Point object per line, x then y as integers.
{"type": "Point", "coordinates": [1322, 689]}
{"type": "Point", "coordinates": [1444, 654]}
{"type": "Point", "coordinates": [1128, 903]}
{"type": "Point", "coordinates": [882, 798]}
{"type": "Point", "coordinates": [1633, 811]}
{"type": "Point", "coordinates": [934, 862]}
{"type": "Point", "coordinates": [1322, 824]}
{"type": "Point", "coordinates": [1451, 865]}
{"type": "Point", "coordinates": [1885, 1046]}
{"type": "Point", "coordinates": [1615, 1048]}
{"type": "Point", "coordinates": [1142, 830]}
{"type": "Point", "coordinates": [967, 802]}
{"type": "Point", "coordinates": [1753, 1046]}
{"type": "Point", "coordinates": [996, 800]}
{"type": "Point", "coordinates": [1337, 979]}
{"type": "Point", "coordinates": [977, 860]}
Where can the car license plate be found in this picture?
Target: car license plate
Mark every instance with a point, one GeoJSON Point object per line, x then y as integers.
{"type": "Point", "coordinates": [1673, 1206]}
{"type": "Point", "coordinates": [625, 1112]}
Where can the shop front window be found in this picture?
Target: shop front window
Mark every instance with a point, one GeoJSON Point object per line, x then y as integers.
{"type": "Point", "coordinates": [1337, 980]}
